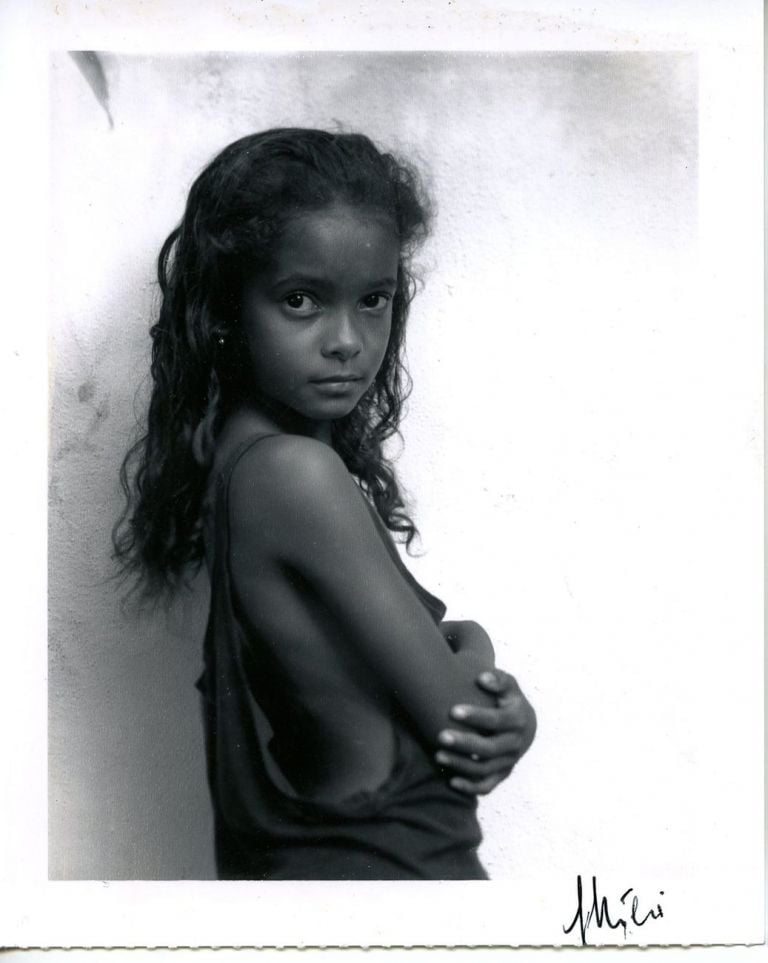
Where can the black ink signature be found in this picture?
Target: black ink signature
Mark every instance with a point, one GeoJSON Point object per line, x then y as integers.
{"type": "Point", "coordinates": [600, 915]}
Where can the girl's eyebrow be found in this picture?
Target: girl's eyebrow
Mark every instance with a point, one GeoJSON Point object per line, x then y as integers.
{"type": "Point", "coordinates": [384, 282]}
{"type": "Point", "coordinates": [299, 278]}
{"type": "Point", "coordinates": [296, 278]}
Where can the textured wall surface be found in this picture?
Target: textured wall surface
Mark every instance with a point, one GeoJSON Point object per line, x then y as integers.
{"type": "Point", "coordinates": [542, 450]}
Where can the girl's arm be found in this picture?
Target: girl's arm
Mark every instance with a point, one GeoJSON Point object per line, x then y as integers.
{"type": "Point", "coordinates": [294, 499]}
{"type": "Point", "coordinates": [468, 636]}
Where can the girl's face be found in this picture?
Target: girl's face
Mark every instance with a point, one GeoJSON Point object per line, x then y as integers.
{"type": "Point", "coordinates": [317, 320]}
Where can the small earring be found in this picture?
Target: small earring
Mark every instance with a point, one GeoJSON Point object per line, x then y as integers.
{"type": "Point", "coordinates": [221, 341]}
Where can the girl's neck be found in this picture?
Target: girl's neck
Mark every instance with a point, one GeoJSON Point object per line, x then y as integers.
{"type": "Point", "coordinates": [264, 414]}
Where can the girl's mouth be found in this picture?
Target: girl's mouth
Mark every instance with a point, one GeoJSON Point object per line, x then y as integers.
{"type": "Point", "coordinates": [338, 385]}
{"type": "Point", "coordinates": [337, 380]}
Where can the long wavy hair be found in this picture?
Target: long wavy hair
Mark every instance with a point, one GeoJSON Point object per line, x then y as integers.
{"type": "Point", "coordinates": [236, 210]}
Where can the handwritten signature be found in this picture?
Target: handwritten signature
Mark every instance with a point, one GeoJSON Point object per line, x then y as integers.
{"type": "Point", "coordinates": [599, 914]}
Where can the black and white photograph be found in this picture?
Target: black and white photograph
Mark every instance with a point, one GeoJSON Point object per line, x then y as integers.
{"type": "Point", "coordinates": [404, 485]}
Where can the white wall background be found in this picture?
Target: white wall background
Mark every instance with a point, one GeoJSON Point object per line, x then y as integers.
{"type": "Point", "coordinates": [563, 418]}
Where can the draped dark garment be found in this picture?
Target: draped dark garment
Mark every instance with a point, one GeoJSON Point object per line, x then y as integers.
{"type": "Point", "coordinates": [413, 826]}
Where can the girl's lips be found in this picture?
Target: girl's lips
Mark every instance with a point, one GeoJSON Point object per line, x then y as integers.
{"type": "Point", "coordinates": [336, 379]}
{"type": "Point", "coordinates": [338, 387]}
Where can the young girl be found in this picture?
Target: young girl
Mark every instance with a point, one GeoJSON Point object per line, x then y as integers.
{"type": "Point", "coordinates": [330, 676]}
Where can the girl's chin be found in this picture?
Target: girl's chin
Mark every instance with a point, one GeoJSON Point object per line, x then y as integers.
{"type": "Point", "coordinates": [331, 407]}
{"type": "Point", "coordinates": [331, 411]}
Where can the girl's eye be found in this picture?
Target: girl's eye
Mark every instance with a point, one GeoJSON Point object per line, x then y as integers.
{"type": "Point", "coordinates": [300, 303]}
{"type": "Point", "coordinates": [376, 302]}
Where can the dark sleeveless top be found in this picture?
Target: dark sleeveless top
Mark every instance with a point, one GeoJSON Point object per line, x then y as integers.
{"type": "Point", "coordinates": [413, 826]}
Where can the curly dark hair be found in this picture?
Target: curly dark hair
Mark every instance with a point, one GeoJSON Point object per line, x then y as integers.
{"type": "Point", "coordinates": [236, 210]}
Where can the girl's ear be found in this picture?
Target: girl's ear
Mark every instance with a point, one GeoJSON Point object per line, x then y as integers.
{"type": "Point", "coordinates": [230, 334]}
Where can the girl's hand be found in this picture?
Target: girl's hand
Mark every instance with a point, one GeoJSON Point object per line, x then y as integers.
{"type": "Point", "coordinates": [485, 757]}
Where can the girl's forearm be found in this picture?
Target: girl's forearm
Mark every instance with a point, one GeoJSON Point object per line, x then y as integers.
{"type": "Point", "coordinates": [470, 639]}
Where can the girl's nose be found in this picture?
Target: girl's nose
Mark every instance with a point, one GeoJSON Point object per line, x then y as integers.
{"type": "Point", "coordinates": [341, 337]}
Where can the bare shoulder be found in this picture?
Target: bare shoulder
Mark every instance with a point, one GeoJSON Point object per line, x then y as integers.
{"type": "Point", "coordinates": [278, 461]}
{"type": "Point", "coordinates": [285, 474]}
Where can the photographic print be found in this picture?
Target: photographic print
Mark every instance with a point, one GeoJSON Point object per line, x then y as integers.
{"type": "Point", "coordinates": [404, 515]}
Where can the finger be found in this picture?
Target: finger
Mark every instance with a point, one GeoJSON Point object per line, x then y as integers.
{"type": "Point", "coordinates": [475, 787]}
{"type": "Point", "coordinates": [497, 682]}
{"type": "Point", "coordinates": [512, 714]}
{"type": "Point", "coordinates": [526, 730]}
{"type": "Point", "coordinates": [477, 768]}
{"type": "Point", "coordinates": [493, 682]}
{"type": "Point", "coordinates": [529, 731]}
{"type": "Point", "coordinates": [484, 747]}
